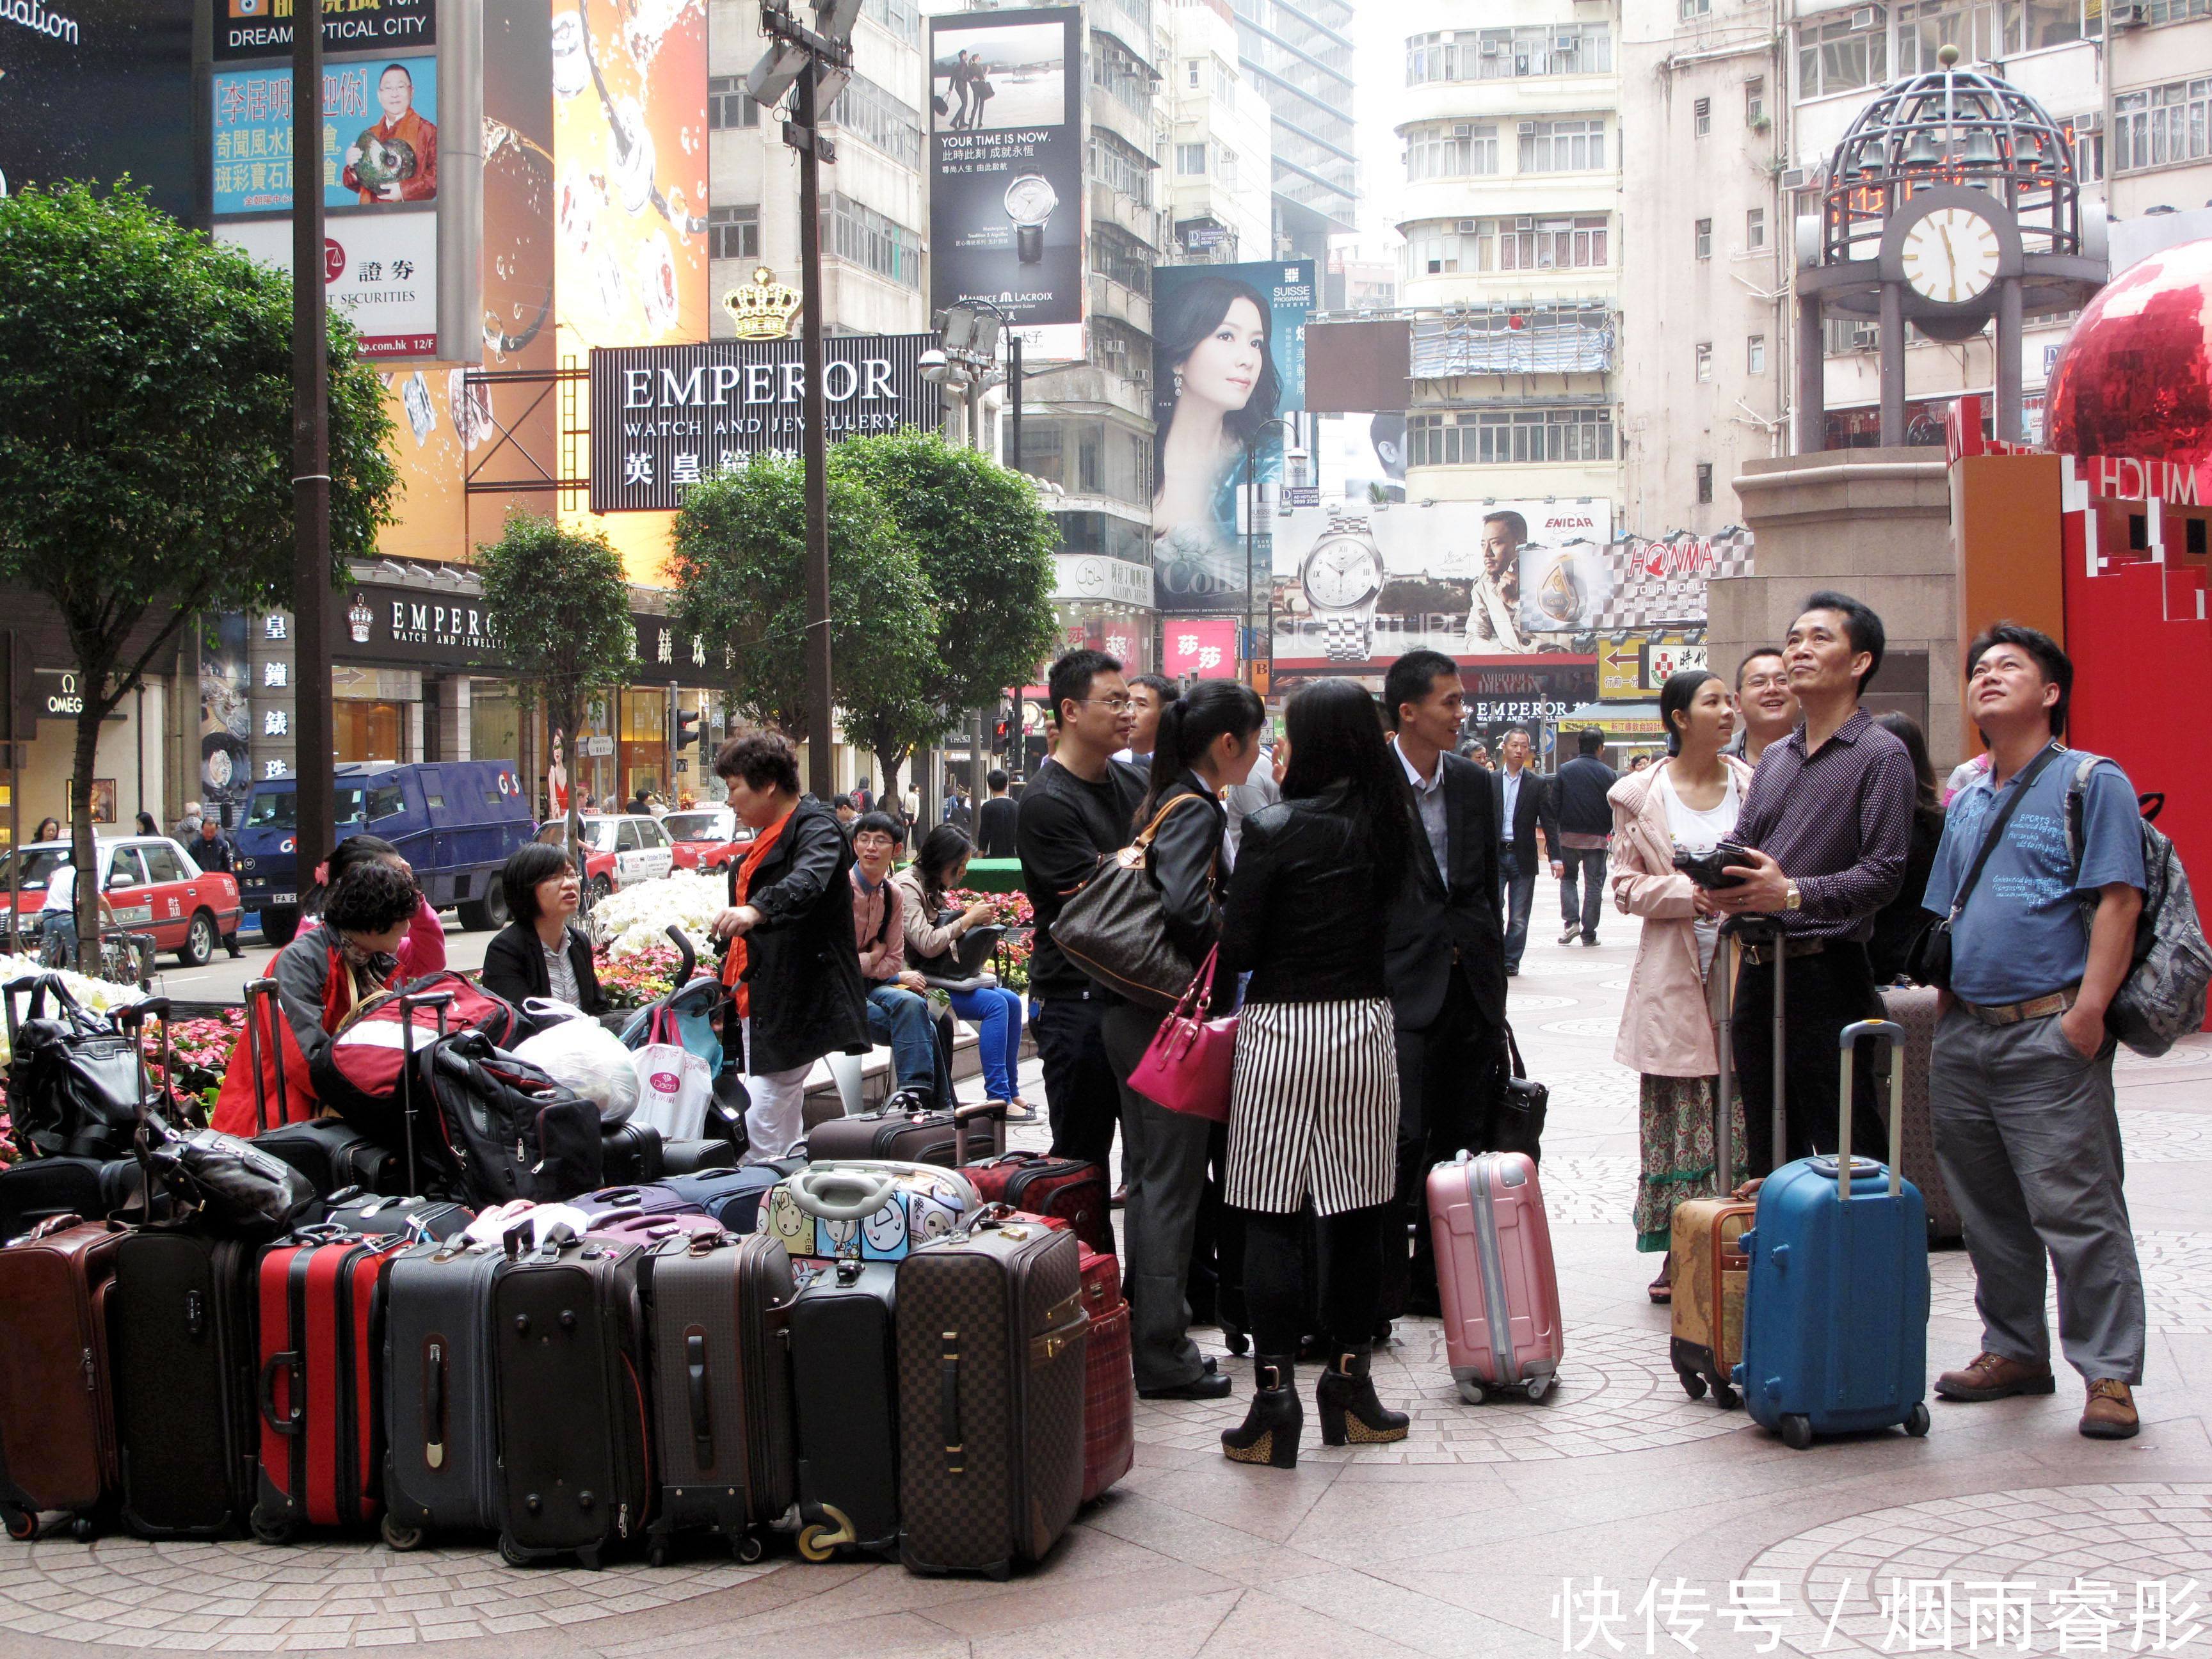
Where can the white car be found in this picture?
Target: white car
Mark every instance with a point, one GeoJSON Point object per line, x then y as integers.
{"type": "Point", "coordinates": [622, 848]}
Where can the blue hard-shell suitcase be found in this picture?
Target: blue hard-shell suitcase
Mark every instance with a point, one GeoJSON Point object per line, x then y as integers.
{"type": "Point", "coordinates": [1835, 1327]}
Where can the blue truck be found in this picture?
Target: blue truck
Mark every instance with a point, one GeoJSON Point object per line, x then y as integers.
{"type": "Point", "coordinates": [454, 821]}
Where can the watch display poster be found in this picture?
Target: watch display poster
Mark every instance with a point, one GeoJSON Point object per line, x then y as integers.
{"type": "Point", "coordinates": [1474, 580]}
{"type": "Point", "coordinates": [1229, 359]}
{"type": "Point", "coordinates": [1005, 157]}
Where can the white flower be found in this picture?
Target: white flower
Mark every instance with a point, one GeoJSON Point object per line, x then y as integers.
{"type": "Point", "coordinates": [639, 916]}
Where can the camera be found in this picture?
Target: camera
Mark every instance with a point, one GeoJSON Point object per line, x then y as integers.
{"type": "Point", "coordinates": [1707, 869]}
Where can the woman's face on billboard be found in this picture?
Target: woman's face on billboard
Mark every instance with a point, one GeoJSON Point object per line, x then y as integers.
{"type": "Point", "coordinates": [1222, 368]}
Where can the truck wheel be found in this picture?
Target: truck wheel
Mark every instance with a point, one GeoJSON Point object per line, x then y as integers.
{"type": "Point", "coordinates": [487, 913]}
{"type": "Point", "coordinates": [199, 948]}
{"type": "Point", "coordinates": [279, 924]}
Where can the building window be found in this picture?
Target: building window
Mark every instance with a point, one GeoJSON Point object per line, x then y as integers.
{"type": "Point", "coordinates": [1843, 335]}
{"type": "Point", "coordinates": [2174, 11]}
{"type": "Point", "coordinates": [1508, 53]}
{"type": "Point", "coordinates": [1562, 146]}
{"type": "Point", "coordinates": [1701, 118]}
{"type": "Point", "coordinates": [1696, 8]}
{"type": "Point", "coordinates": [877, 117]}
{"type": "Point", "coordinates": [1754, 100]}
{"type": "Point", "coordinates": [1442, 248]}
{"type": "Point", "coordinates": [1704, 239]}
{"type": "Point", "coordinates": [1225, 164]}
{"type": "Point", "coordinates": [2161, 125]}
{"type": "Point", "coordinates": [729, 105]}
{"type": "Point", "coordinates": [1755, 354]}
{"type": "Point", "coordinates": [1704, 360]}
{"type": "Point", "coordinates": [1510, 437]}
{"type": "Point", "coordinates": [861, 236]}
{"type": "Point", "coordinates": [1191, 160]}
{"type": "Point", "coordinates": [1755, 228]}
{"type": "Point", "coordinates": [1551, 244]}
{"type": "Point", "coordinates": [1191, 70]}
{"type": "Point", "coordinates": [902, 18]}
{"type": "Point", "coordinates": [1120, 258]}
{"type": "Point", "coordinates": [733, 232]}
{"type": "Point", "coordinates": [1120, 166]}
{"type": "Point", "coordinates": [1451, 149]}
{"type": "Point", "coordinates": [1842, 53]}
{"type": "Point", "coordinates": [1705, 483]}
{"type": "Point", "coordinates": [1114, 69]}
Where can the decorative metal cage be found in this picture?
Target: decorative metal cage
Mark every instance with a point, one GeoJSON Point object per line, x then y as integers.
{"type": "Point", "coordinates": [1951, 126]}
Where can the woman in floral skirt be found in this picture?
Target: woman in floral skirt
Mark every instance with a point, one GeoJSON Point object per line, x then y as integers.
{"type": "Point", "coordinates": [1688, 802]}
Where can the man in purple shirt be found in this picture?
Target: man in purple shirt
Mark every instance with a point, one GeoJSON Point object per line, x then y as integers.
{"type": "Point", "coordinates": [1830, 817]}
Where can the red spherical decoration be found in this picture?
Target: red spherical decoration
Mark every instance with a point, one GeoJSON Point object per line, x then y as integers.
{"type": "Point", "coordinates": [2135, 376]}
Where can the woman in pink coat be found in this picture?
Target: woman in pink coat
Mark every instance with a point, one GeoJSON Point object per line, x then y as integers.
{"type": "Point", "coordinates": [1689, 801]}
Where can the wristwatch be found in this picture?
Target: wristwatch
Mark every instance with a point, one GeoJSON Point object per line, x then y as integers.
{"type": "Point", "coordinates": [1030, 201]}
{"type": "Point", "coordinates": [1791, 898]}
{"type": "Point", "coordinates": [1343, 578]}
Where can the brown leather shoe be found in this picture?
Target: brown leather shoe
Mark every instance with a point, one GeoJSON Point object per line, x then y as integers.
{"type": "Point", "coordinates": [1993, 1377]}
{"type": "Point", "coordinates": [2110, 1411]}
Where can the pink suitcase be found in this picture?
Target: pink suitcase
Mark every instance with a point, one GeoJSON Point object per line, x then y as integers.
{"type": "Point", "coordinates": [650, 1230]}
{"type": "Point", "coordinates": [1494, 1275]}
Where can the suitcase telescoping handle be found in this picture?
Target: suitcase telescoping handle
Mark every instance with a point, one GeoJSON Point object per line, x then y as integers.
{"type": "Point", "coordinates": [1720, 993]}
{"type": "Point", "coordinates": [408, 1003]}
{"type": "Point", "coordinates": [264, 992]}
{"type": "Point", "coordinates": [1884, 1030]}
{"type": "Point", "coordinates": [133, 1019]}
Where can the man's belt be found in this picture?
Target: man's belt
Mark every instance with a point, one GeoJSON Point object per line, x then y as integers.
{"type": "Point", "coordinates": [1759, 956]}
{"type": "Point", "coordinates": [2012, 1013]}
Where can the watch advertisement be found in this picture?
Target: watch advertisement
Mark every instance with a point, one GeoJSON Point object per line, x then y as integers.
{"type": "Point", "coordinates": [1005, 147]}
{"type": "Point", "coordinates": [1228, 361]}
{"type": "Point", "coordinates": [1474, 580]}
{"type": "Point", "coordinates": [93, 90]}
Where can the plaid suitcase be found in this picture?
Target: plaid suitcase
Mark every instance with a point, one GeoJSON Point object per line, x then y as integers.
{"type": "Point", "coordinates": [1109, 1401]}
{"type": "Point", "coordinates": [1068, 1189]}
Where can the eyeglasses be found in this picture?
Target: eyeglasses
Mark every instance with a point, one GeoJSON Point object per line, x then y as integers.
{"type": "Point", "coordinates": [1116, 703]}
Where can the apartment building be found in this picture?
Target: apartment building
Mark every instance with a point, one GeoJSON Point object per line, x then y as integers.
{"type": "Point", "coordinates": [2158, 108]}
{"type": "Point", "coordinates": [1299, 54]}
{"type": "Point", "coordinates": [1220, 184]}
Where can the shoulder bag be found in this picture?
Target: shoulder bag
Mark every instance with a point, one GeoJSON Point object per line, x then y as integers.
{"type": "Point", "coordinates": [1188, 1066]}
{"type": "Point", "coordinates": [1114, 927]}
{"type": "Point", "coordinates": [1929, 962]}
{"type": "Point", "coordinates": [73, 1079]}
{"type": "Point", "coordinates": [1516, 1123]}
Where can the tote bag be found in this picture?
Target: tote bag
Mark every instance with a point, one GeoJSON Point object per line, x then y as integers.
{"type": "Point", "coordinates": [674, 1085]}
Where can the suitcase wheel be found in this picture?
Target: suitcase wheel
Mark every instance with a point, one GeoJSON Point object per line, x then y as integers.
{"type": "Point", "coordinates": [1727, 1398]}
{"type": "Point", "coordinates": [1692, 1384]}
{"type": "Point", "coordinates": [80, 1526]}
{"type": "Point", "coordinates": [747, 1548]}
{"type": "Point", "coordinates": [1471, 1391]}
{"type": "Point", "coordinates": [1916, 1422]}
{"type": "Point", "coordinates": [23, 1524]}
{"type": "Point", "coordinates": [1539, 1387]}
{"type": "Point", "coordinates": [656, 1554]}
{"type": "Point", "coordinates": [512, 1552]}
{"type": "Point", "coordinates": [400, 1538]}
{"type": "Point", "coordinates": [1797, 1432]}
{"type": "Point", "coordinates": [588, 1559]}
{"type": "Point", "coordinates": [1233, 1337]}
{"type": "Point", "coordinates": [273, 1532]}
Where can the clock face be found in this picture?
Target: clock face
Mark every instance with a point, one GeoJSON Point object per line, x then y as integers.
{"type": "Point", "coordinates": [1341, 573]}
{"type": "Point", "coordinates": [1031, 200]}
{"type": "Point", "coordinates": [1951, 255]}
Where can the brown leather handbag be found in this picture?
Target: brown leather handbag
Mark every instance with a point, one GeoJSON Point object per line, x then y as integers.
{"type": "Point", "coordinates": [1114, 927]}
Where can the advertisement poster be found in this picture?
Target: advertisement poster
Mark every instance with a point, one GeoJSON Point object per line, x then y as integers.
{"type": "Point", "coordinates": [1229, 359]}
{"type": "Point", "coordinates": [263, 29]}
{"type": "Point", "coordinates": [1359, 582]}
{"type": "Point", "coordinates": [381, 272]}
{"type": "Point", "coordinates": [93, 89]}
{"type": "Point", "coordinates": [1663, 581]}
{"type": "Point", "coordinates": [226, 716]}
{"type": "Point", "coordinates": [1199, 648]}
{"type": "Point", "coordinates": [1360, 457]}
{"type": "Point", "coordinates": [380, 136]}
{"type": "Point", "coordinates": [1007, 166]}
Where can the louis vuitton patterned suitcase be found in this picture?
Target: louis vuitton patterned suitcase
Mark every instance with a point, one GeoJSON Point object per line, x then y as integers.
{"type": "Point", "coordinates": [991, 1358]}
{"type": "Point", "coordinates": [1913, 1007]}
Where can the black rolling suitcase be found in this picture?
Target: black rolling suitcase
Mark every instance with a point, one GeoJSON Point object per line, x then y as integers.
{"type": "Point", "coordinates": [373, 1215]}
{"type": "Point", "coordinates": [682, 1157]}
{"type": "Point", "coordinates": [844, 1376]}
{"type": "Point", "coordinates": [334, 1155]}
{"type": "Point", "coordinates": [913, 1136]}
{"type": "Point", "coordinates": [37, 1190]}
{"type": "Point", "coordinates": [568, 1364]}
{"type": "Point", "coordinates": [629, 1153]}
{"type": "Point", "coordinates": [721, 1388]}
{"type": "Point", "coordinates": [734, 1197]}
{"type": "Point", "coordinates": [441, 1451]}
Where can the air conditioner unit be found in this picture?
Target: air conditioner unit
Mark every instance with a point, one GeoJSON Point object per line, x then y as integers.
{"type": "Point", "coordinates": [1867, 17]}
{"type": "Point", "coordinates": [1796, 178]}
{"type": "Point", "coordinates": [1492, 48]}
{"type": "Point", "coordinates": [2129, 17]}
{"type": "Point", "coordinates": [2092, 122]}
{"type": "Point", "coordinates": [1526, 127]}
{"type": "Point", "coordinates": [1863, 337]}
{"type": "Point", "coordinates": [1568, 43]}
{"type": "Point", "coordinates": [1529, 224]}
{"type": "Point", "coordinates": [1467, 227]}
{"type": "Point", "coordinates": [1463, 130]}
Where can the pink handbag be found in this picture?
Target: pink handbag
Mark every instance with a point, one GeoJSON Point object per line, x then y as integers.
{"type": "Point", "coordinates": [1188, 1066]}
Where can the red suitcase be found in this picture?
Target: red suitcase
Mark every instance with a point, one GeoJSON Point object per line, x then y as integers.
{"type": "Point", "coordinates": [57, 1413]}
{"type": "Point", "coordinates": [1110, 1381]}
{"type": "Point", "coordinates": [321, 1300]}
{"type": "Point", "coordinates": [1494, 1275]}
{"type": "Point", "coordinates": [1072, 1190]}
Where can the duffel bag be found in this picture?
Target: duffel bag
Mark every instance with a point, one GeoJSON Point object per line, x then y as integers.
{"type": "Point", "coordinates": [498, 1128]}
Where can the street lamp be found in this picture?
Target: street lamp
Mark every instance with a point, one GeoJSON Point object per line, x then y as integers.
{"type": "Point", "coordinates": [1251, 538]}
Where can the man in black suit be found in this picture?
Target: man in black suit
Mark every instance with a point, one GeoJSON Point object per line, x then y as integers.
{"type": "Point", "coordinates": [995, 821]}
{"type": "Point", "coordinates": [1444, 960]}
{"type": "Point", "coordinates": [1523, 799]}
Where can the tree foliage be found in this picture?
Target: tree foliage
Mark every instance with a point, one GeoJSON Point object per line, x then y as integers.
{"type": "Point", "coordinates": [560, 603]}
{"type": "Point", "coordinates": [146, 440]}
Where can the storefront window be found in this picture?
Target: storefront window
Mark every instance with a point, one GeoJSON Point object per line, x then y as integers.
{"type": "Point", "coordinates": [495, 721]}
{"type": "Point", "coordinates": [364, 730]}
{"type": "Point", "coordinates": [1120, 631]}
{"type": "Point", "coordinates": [644, 743]}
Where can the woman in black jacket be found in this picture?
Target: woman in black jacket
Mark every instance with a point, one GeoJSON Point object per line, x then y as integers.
{"type": "Point", "coordinates": [1206, 741]}
{"type": "Point", "coordinates": [1313, 1109]}
{"type": "Point", "coordinates": [539, 953]}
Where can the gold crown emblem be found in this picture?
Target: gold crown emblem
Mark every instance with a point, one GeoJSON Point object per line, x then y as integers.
{"type": "Point", "coordinates": [763, 308]}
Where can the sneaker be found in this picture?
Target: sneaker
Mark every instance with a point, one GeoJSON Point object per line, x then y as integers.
{"type": "Point", "coordinates": [1570, 935]}
{"type": "Point", "coordinates": [1993, 1377]}
{"type": "Point", "coordinates": [2110, 1414]}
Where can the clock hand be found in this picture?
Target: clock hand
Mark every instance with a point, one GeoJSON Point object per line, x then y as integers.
{"type": "Point", "coordinates": [1950, 254]}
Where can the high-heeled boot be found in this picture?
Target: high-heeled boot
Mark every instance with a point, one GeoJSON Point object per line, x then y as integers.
{"type": "Point", "coordinates": [1350, 1413]}
{"type": "Point", "coordinates": [1269, 1433]}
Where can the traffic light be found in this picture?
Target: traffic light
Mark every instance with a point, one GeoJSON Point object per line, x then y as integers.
{"type": "Point", "coordinates": [1001, 735]}
{"type": "Point", "coordinates": [687, 728]}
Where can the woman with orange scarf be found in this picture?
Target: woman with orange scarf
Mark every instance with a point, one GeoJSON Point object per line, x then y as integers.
{"type": "Point", "coordinates": [791, 966]}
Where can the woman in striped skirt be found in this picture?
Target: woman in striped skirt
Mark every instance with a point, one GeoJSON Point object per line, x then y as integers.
{"type": "Point", "coordinates": [1313, 1106]}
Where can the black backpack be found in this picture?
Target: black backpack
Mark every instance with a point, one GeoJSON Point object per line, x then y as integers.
{"type": "Point", "coordinates": [502, 1129]}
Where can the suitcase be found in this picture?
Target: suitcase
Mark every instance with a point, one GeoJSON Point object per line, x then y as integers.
{"type": "Point", "coordinates": [874, 1212]}
{"type": "Point", "coordinates": [1494, 1275]}
{"type": "Point", "coordinates": [373, 1215]}
{"type": "Point", "coordinates": [844, 1377]}
{"type": "Point", "coordinates": [647, 1230]}
{"type": "Point", "coordinates": [1835, 1327]}
{"type": "Point", "coordinates": [334, 1155]}
{"type": "Point", "coordinates": [991, 1355]}
{"type": "Point", "coordinates": [913, 1136]}
{"type": "Point", "coordinates": [684, 1157]}
{"type": "Point", "coordinates": [57, 1419]}
{"type": "Point", "coordinates": [39, 1188]}
{"type": "Point", "coordinates": [568, 1347]}
{"type": "Point", "coordinates": [181, 1348]}
{"type": "Point", "coordinates": [441, 1453]}
{"type": "Point", "coordinates": [1109, 1400]}
{"type": "Point", "coordinates": [716, 1308]}
{"type": "Point", "coordinates": [1070, 1190]}
{"type": "Point", "coordinates": [733, 1197]}
{"type": "Point", "coordinates": [652, 1198]}
{"type": "Point", "coordinates": [629, 1153]}
{"type": "Point", "coordinates": [320, 1312]}
{"type": "Point", "coordinates": [1913, 1009]}
{"type": "Point", "coordinates": [1704, 1244]}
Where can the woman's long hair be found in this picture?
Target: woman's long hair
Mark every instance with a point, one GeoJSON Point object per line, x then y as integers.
{"type": "Point", "coordinates": [938, 855]}
{"type": "Point", "coordinates": [1188, 726]}
{"type": "Point", "coordinates": [1927, 802]}
{"type": "Point", "coordinates": [1335, 730]}
{"type": "Point", "coordinates": [1196, 311]}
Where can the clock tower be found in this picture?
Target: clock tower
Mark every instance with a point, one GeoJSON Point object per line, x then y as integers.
{"type": "Point", "coordinates": [1953, 202]}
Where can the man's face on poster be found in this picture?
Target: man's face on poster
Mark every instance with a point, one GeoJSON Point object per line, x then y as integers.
{"type": "Point", "coordinates": [395, 91]}
{"type": "Point", "coordinates": [1501, 547]}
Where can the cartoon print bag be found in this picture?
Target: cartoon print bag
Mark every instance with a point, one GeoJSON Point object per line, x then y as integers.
{"type": "Point", "coordinates": [866, 1211]}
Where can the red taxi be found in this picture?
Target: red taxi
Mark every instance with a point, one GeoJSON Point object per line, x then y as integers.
{"type": "Point", "coordinates": [153, 884]}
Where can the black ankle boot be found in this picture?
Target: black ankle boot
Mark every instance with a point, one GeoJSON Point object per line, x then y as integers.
{"type": "Point", "coordinates": [1345, 1390]}
{"type": "Point", "coordinates": [1269, 1433]}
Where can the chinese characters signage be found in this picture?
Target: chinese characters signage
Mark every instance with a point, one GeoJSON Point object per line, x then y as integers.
{"type": "Point", "coordinates": [259, 28]}
{"type": "Point", "coordinates": [253, 136]}
{"type": "Point", "coordinates": [1201, 647]}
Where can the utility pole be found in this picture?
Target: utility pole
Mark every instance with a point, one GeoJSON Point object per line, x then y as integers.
{"type": "Point", "coordinates": [311, 457]}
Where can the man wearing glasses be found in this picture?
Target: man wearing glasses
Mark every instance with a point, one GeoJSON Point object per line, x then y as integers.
{"type": "Point", "coordinates": [1077, 809]}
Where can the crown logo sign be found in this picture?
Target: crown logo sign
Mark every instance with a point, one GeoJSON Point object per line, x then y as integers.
{"type": "Point", "coordinates": [763, 308]}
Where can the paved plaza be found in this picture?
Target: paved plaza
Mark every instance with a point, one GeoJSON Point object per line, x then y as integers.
{"type": "Point", "coordinates": [1618, 1491]}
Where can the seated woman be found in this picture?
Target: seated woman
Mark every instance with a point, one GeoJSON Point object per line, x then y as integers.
{"type": "Point", "coordinates": [539, 953]}
{"type": "Point", "coordinates": [995, 1013]}
{"type": "Point", "coordinates": [423, 950]}
{"type": "Point", "coordinates": [352, 953]}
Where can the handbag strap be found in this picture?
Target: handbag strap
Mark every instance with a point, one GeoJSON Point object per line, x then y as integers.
{"type": "Point", "coordinates": [1513, 1050]}
{"type": "Point", "coordinates": [1198, 996]}
{"type": "Point", "coordinates": [1997, 832]}
{"type": "Point", "coordinates": [1144, 839]}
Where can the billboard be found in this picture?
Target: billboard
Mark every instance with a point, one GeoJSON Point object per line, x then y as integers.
{"type": "Point", "coordinates": [381, 272]}
{"type": "Point", "coordinates": [1201, 647]}
{"type": "Point", "coordinates": [1360, 456]}
{"type": "Point", "coordinates": [1657, 583]}
{"type": "Point", "coordinates": [263, 29]}
{"type": "Point", "coordinates": [1228, 359]}
{"type": "Point", "coordinates": [380, 141]}
{"type": "Point", "coordinates": [1359, 581]}
{"type": "Point", "coordinates": [663, 417]}
{"type": "Point", "coordinates": [1006, 169]}
{"type": "Point", "coordinates": [97, 88]}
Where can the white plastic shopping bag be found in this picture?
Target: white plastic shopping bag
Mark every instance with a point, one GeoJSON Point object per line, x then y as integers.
{"type": "Point", "coordinates": [674, 1085]}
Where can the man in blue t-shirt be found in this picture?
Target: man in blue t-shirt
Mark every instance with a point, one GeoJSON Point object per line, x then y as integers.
{"type": "Point", "coordinates": [2020, 1083]}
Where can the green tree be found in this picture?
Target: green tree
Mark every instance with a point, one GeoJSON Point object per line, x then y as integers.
{"type": "Point", "coordinates": [146, 441]}
{"type": "Point", "coordinates": [738, 563]}
{"type": "Point", "coordinates": [560, 603]}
